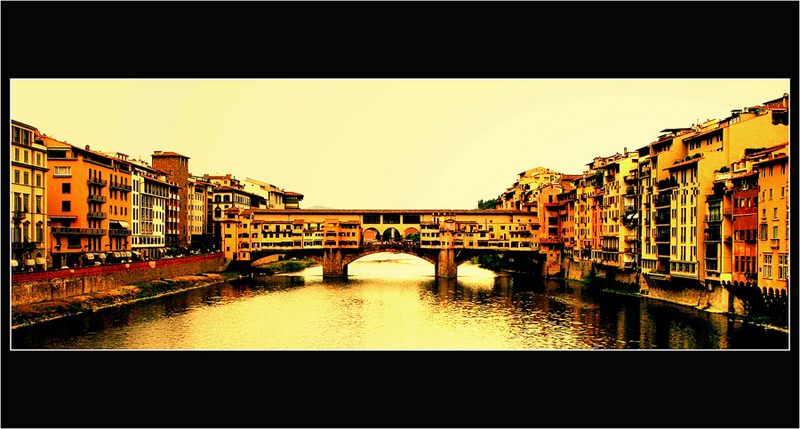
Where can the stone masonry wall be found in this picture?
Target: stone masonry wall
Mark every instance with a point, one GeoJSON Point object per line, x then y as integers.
{"type": "Point", "coordinates": [28, 289]}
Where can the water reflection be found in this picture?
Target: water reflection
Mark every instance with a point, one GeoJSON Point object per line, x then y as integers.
{"type": "Point", "coordinates": [396, 303]}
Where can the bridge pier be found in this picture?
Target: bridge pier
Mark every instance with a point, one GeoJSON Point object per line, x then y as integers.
{"type": "Point", "coordinates": [446, 266]}
{"type": "Point", "coordinates": [333, 264]}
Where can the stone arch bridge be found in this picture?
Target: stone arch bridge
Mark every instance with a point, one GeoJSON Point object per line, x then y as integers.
{"type": "Point", "coordinates": [335, 238]}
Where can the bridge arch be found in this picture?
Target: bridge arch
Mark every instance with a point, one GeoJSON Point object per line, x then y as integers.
{"type": "Point", "coordinates": [354, 257]}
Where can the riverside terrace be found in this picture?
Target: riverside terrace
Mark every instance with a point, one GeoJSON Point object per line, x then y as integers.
{"type": "Point", "coordinates": [334, 238]}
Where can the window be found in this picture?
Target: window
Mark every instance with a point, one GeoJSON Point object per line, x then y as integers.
{"type": "Point", "coordinates": [16, 152]}
{"type": "Point", "coordinates": [775, 232]}
{"type": "Point", "coordinates": [62, 171]}
{"type": "Point", "coordinates": [66, 206]}
{"type": "Point", "coordinates": [766, 270]}
{"type": "Point", "coordinates": [16, 176]}
{"type": "Point", "coordinates": [38, 204]}
{"type": "Point", "coordinates": [763, 231]}
{"type": "Point", "coordinates": [783, 192]}
{"type": "Point", "coordinates": [783, 267]}
{"type": "Point", "coordinates": [39, 180]}
{"type": "Point", "coordinates": [25, 177]}
{"type": "Point", "coordinates": [775, 213]}
{"type": "Point", "coordinates": [38, 159]}
{"type": "Point", "coordinates": [25, 156]}
{"type": "Point", "coordinates": [66, 188]}
{"type": "Point", "coordinates": [770, 192]}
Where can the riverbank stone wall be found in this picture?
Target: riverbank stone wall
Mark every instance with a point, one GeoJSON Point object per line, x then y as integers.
{"type": "Point", "coordinates": [29, 292]}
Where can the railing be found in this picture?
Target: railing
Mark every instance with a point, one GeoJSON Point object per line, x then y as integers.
{"type": "Point", "coordinates": [774, 243]}
{"type": "Point", "coordinates": [24, 245]}
{"type": "Point", "coordinates": [121, 187]}
{"type": "Point", "coordinates": [714, 217]}
{"type": "Point", "coordinates": [77, 231]}
{"type": "Point", "coordinates": [96, 182]}
{"type": "Point", "coordinates": [661, 200]}
{"type": "Point", "coordinates": [108, 269]}
{"type": "Point", "coordinates": [119, 232]}
{"type": "Point", "coordinates": [96, 215]}
{"type": "Point", "coordinates": [741, 210]}
{"type": "Point", "coordinates": [19, 214]}
{"type": "Point", "coordinates": [74, 246]}
{"type": "Point", "coordinates": [630, 238]}
{"type": "Point", "coordinates": [96, 198]}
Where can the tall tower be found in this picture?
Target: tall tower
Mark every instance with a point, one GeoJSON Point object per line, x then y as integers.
{"type": "Point", "coordinates": [177, 166]}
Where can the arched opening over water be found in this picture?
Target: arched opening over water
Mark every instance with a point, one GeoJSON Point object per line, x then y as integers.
{"type": "Point", "coordinates": [390, 264]}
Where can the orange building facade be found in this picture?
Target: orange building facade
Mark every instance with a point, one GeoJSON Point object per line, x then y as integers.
{"type": "Point", "coordinates": [88, 205]}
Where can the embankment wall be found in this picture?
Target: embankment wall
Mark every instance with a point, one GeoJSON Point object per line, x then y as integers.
{"type": "Point", "coordinates": [29, 288]}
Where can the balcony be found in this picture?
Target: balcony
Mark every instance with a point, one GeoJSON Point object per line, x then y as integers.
{"type": "Point", "coordinates": [28, 245]}
{"type": "Point", "coordinates": [74, 246]}
{"type": "Point", "coordinates": [661, 238]}
{"type": "Point", "coordinates": [666, 184]}
{"type": "Point", "coordinates": [60, 230]}
{"type": "Point", "coordinates": [631, 238]}
{"type": "Point", "coordinates": [550, 240]}
{"type": "Point", "coordinates": [121, 187]}
{"type": "Point", "coordinates": [630, 191]}
{"type": "Point", "coordinates": [97, 182]}
{"type": "Point", "coordinates": [95, 215]}
{"type": "Point", "coordinates": [661, 200]}
{"type": "Point", "coordinates": [119, 232]}
{"type": "Point", "coordinates": [630, 177]}
{"type": "Point", "coordinates": [18, 215]}
{"type": "Point", "coordinates": [712, 238]}
{"type": "Point", "coordinates": [661, 220]}
{"type": "Point", "coordinates": [774, 243]}
{"type": "Point", "coordinates": [722, 176]}
{"type": "Point", "coordinates": [727, 239]}
{"type": "Point", "coordinates": [96, 199]}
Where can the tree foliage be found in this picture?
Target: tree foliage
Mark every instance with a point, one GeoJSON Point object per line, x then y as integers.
{"type": "Point", "coordinates": [488, 204]}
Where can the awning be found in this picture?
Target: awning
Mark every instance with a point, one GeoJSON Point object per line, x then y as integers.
{"type": "Point", "coordinates": [40, 261]}
{"type": "Point", "coordinates": [89, 256]}
{"type": "Point", "coordinates": [116, 254]}
{"type": "Point", "coordinates": [101, 255]}
{"type": "Point", "coordinates": [121, 223]}
{"type": "Point", "coordinates": [628, 216]}
{"type": "Point", "coordinates": [14, 263]}
{"type": "Point", "coordinates": [635, 215]}
{"type": "Point", "coordinates": [127, 254]}
{"type": "Point", "coordinates": [137, 254]}
{"type": "Point", "coordinates": [30, 262]}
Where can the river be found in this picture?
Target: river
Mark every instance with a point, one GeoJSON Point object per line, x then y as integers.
{"type": "Point", "coordinates": [393, 302]}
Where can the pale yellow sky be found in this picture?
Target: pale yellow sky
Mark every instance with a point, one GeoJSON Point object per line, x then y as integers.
{"type": "Point", "coordinates": [356, 143]}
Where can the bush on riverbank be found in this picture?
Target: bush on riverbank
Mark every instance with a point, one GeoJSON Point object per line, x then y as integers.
{"type": "Point", "coordinates": [278, 267]}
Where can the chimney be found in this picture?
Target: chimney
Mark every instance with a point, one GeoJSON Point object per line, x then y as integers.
{"type": "Point", "coordinates": [87, 147]}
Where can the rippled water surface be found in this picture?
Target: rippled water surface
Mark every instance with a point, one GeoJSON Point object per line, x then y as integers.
{"type": "Point", "coordinates": [394, 302]}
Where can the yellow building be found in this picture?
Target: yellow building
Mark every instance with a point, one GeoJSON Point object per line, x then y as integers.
{"type": "Point", "coordinates": [29, 241]}
{"type": "Point", "coordinates": [696, 157]}
{"type": "Point", "coordinates": [773, 218]}
{"type": "Point", "coordinates": [524, 193]}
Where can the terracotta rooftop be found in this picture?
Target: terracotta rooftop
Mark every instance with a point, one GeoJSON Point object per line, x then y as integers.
{"type": "Point", "coordinates": [160, 153]}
